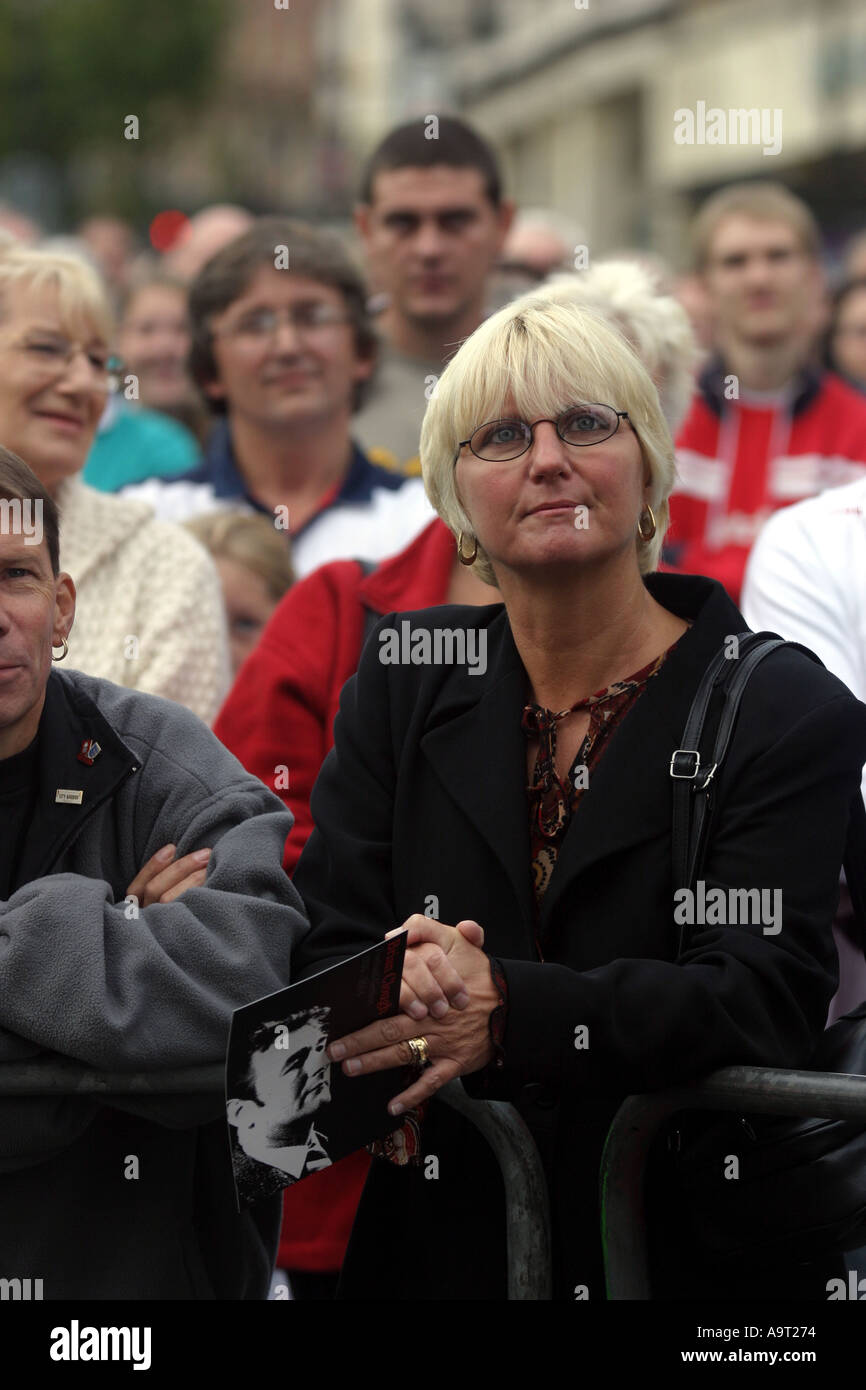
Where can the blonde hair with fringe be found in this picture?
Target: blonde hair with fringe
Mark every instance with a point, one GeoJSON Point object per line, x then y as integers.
{"type": "Point", "coordinates": [81, 295]}
{"type": "Point", "coordinates": [547, 356]}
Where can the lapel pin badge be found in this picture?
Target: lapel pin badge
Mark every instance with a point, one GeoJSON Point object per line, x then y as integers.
{"type": "Point", "coordinates": [68, 796]}
{"type": "Point", "coordinates": [89, 752]}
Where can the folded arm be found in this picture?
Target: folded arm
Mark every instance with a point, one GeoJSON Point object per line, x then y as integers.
{"type": "Point", "coordinates": [125, 988]}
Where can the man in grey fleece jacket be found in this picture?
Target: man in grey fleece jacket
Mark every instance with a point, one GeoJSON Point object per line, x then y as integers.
{"type": "Point", "coordinates": [134, 1199]}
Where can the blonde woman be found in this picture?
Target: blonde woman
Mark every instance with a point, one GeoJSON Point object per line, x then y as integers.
{"type": "Point", "coordinates": [516, 819]}
{"type": "Point", "coordinates": [149, 605]}
{"type": "Point", "coordinates": [281, 707]}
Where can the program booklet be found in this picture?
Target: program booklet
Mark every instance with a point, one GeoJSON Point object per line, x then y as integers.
{"type": "Point", "coordinates": [290, 1110]}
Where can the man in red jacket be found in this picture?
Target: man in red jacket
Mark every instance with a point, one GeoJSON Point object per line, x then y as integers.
{"type": "Point", "coordinates": [767, 427]}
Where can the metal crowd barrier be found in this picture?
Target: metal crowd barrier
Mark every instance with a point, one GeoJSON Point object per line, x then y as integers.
{"type": "Point", "coordinates": [527, 1210]}
{"type": "Point", "coordinates": [755, 1090]}
{"type": "Point", "coordinates": [527, 1213]}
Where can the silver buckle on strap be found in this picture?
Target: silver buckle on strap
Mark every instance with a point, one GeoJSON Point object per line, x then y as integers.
{"type": "Point", "coordinates": [681, 768]}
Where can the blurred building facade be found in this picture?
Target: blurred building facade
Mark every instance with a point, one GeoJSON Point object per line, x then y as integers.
{"type": "Point", "coordinates": [256, 140]}
{"type": "Point", "coordinates": [581, 99]}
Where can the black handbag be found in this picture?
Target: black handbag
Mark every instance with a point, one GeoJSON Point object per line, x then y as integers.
{"type": "Point", "coordinates": [800, 1192]}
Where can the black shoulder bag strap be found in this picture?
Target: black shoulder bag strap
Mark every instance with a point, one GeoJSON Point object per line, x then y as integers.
{"type": "Point", "coordinates": [692, 779]}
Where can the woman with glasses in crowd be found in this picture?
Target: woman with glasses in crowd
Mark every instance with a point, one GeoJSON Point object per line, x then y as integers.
{"type": "Point", "coordinates": [515, 818]}
{"type": "Point", "coordinates": [150, 612]}
{"type": "Point", "coordinates": [281, 708]}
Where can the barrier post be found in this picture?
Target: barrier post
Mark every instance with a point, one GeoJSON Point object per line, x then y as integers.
{"type": "Point", "coordinates": [752, 1090]}
{"type": "Point", "coordinates": [527, 1210]}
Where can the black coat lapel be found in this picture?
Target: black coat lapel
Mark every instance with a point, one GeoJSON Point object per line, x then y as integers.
{"type": "Point", "coordinates": [68, 719]}
{"type": "Point", "coordinates": [478, 752]}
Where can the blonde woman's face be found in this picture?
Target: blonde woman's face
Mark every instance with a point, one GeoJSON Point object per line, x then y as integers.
{"type": "Point", "coordinates": [53, 384]}
{"type": "Point", "coordinates": [557, 505]}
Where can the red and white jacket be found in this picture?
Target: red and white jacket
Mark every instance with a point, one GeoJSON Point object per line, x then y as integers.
{"type": "Point", "coordinates": [740, 460]}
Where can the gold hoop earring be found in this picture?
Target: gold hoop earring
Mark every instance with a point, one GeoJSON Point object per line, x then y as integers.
{"type": "Point", "coordinates": [65, 651]}
{"type": "Point", "coordinates": [466, 559]}
{"type": "Point", "coordinates": [646, 535]}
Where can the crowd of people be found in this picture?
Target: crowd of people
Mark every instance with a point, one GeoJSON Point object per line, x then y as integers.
{"type": "Point", "coordinates": [248, 453]}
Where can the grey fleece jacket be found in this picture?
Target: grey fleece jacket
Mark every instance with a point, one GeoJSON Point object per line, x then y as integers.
{"type": "Point", "coordinates": [82, 978]}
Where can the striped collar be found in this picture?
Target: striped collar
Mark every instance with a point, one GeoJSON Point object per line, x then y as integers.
{"type": "Point", "coordinates": [219, 469]}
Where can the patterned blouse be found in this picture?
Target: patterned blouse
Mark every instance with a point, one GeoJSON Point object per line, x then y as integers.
{"type": "Point", "coordinates": [552, 801]}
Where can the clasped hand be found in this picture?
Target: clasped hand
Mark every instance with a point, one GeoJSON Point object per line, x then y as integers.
{"type": "Point", "coordinates": [447, 993]}
{"type": "Point", "coordinates": [447, 996]}
{"type": "Point", "coordinates": [165, 877]}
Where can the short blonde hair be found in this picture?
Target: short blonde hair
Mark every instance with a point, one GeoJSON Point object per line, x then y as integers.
{"type": "Point", "coordinates": [82, 297]}
{"type": "Point", "coordinates": [654, 323]}
{"type": "Point", "coordinates": [546, 355]}
{"type": "Point", "coordinates": [250, 540]}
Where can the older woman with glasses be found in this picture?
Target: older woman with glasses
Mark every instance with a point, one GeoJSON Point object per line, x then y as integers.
{"type": "Point", "coordinates": [514, 817]}
{"type": "Point", "coordinates": [150, 610]}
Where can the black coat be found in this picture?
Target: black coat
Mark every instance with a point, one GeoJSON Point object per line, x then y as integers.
{"type": "Point", "coordinates": [424, 794]}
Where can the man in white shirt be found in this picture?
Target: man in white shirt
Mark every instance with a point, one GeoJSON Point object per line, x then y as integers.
{"type": "Point", "coordinates": [806, 580]}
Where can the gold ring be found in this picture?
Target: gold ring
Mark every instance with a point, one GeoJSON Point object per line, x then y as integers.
{"type": "Point", "coordinates": [420, 1049]}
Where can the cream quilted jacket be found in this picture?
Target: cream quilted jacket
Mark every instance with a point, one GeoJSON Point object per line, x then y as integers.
{"type": "Point", "coordinates": [149, 613]}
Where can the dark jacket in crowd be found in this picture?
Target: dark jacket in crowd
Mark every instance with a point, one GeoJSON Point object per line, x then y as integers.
{"type": "Point", "coordinates": [286, 696]}
{"type": "Point", "coordinates": [135, 1199]}
{"type": "Point", "coordinates": [424, 794]}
